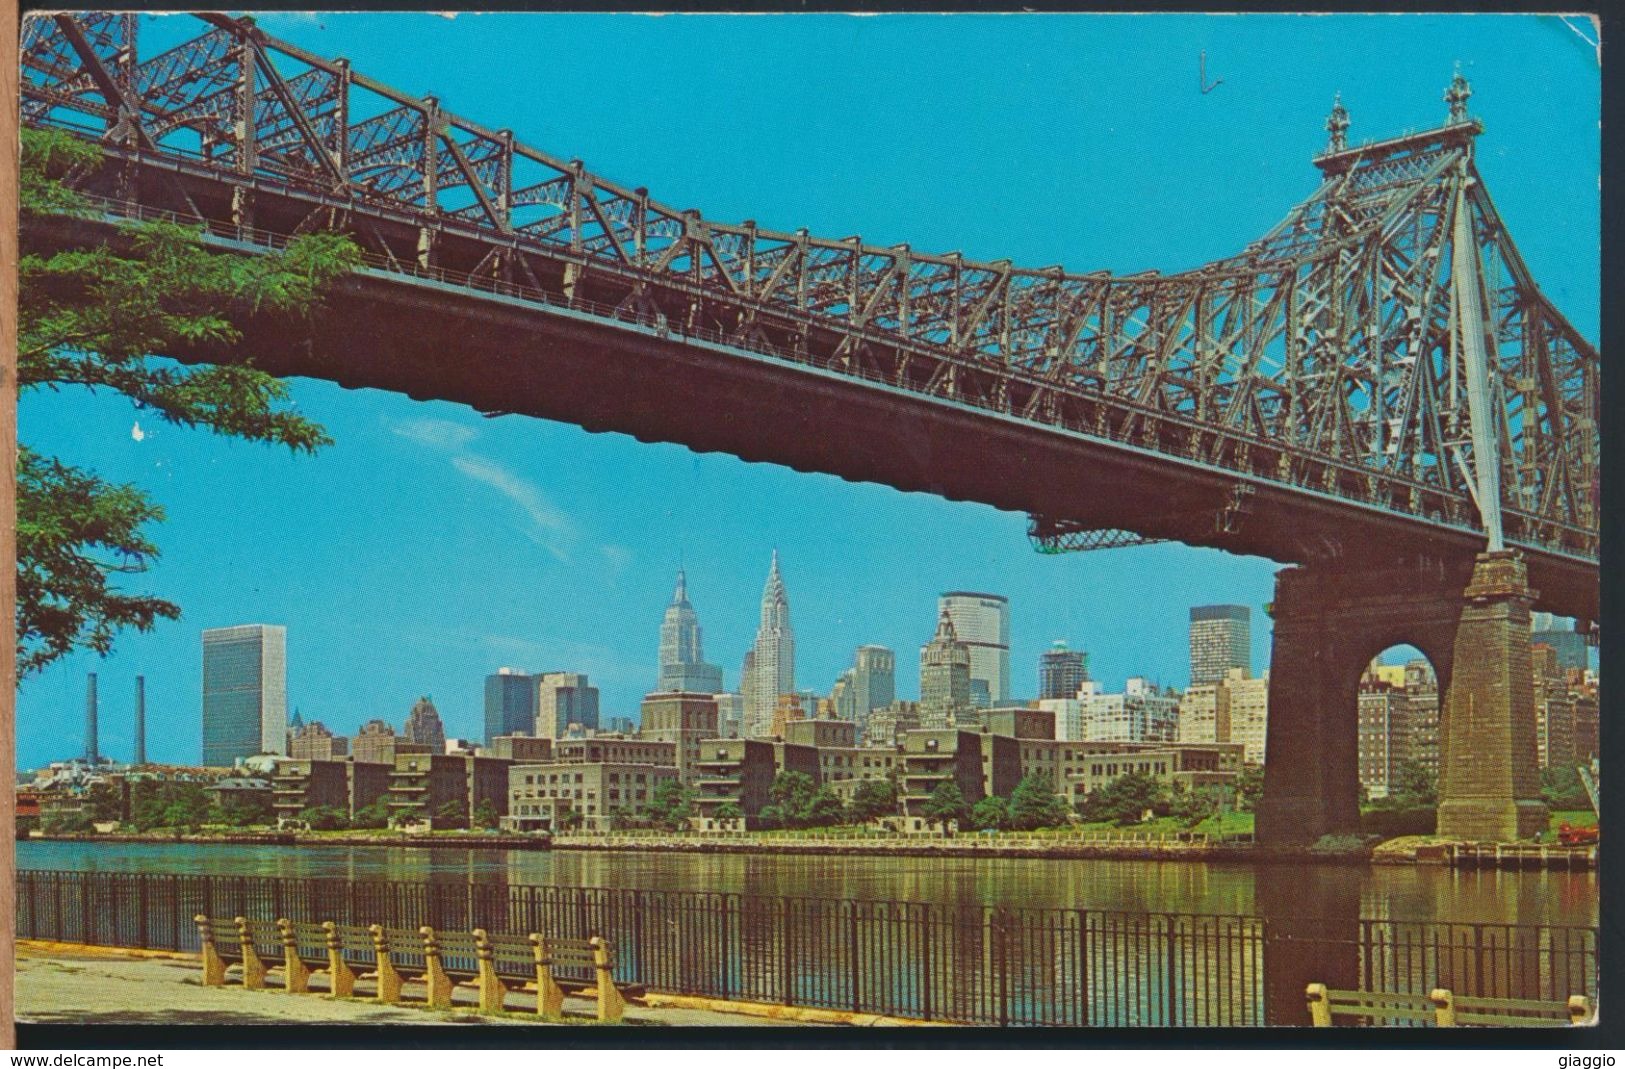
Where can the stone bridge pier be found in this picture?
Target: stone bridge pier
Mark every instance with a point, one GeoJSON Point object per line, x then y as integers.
{"type": "Point", "coordinates": [1471, 620]}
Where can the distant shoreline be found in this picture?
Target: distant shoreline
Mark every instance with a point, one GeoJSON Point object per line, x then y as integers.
{"type": "Point", "coordinates": [294, 839]}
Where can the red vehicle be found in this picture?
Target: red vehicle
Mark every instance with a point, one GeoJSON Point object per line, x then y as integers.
{"type": "Point", "coordinates": [1568, 835]}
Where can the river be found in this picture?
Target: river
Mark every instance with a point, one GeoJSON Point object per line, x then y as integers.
{"type": "Point", "coordinates": [1424, 893]}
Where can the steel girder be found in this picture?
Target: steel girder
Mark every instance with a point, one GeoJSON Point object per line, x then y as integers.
{"type": "Point", "coordinates": [1337, 352]}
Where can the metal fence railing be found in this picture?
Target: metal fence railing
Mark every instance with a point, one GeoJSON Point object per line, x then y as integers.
{"type": "Point", "coordinates": [966, 963]}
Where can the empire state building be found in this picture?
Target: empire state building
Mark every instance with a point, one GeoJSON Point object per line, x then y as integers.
{"type": "Point", "coordinates": [770, 666]}
{"type": "Point", "coordinates": [682, 658]}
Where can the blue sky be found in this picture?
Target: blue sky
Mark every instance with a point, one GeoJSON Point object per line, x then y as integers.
{"type": "Point", "coordinates": [430, 545]}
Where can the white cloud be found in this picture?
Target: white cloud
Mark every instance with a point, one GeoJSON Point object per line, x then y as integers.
{"type": "Point", "coordinates": [434, 433]}
{"type": "Point", "coordinates": [550, 528]}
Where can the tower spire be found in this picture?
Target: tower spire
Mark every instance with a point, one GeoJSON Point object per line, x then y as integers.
{"type": "Point", "coordinates": [1337, 125]}
{"type": "Point", "coordinates": [1457, 95]}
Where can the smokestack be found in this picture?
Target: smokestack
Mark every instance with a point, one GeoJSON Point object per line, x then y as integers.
{"type": "Point", "coordinates": [140, 755]}
{"type": "Point", "coordinates": [90, 719]}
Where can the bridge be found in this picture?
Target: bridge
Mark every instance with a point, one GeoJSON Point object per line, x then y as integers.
{"type": "Point", "coordinates": [1376, 391]}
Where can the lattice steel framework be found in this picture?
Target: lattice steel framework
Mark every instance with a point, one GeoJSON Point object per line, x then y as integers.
{"type": "Point", "coordinates": [1385, 342]}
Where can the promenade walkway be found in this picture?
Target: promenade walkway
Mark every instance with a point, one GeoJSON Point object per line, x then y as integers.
{"type": "Point", "coordinates": [64, 984]}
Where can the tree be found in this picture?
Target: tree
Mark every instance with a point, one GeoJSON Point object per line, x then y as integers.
{"type": "Point", "coordinates": [946, 803]}
{"type": "Point", "coordinates": [451, 815]}
{"type": "Point", "coordinates": [1124, 800]}
{"type": "Point", "coordinates": [873, 798]}
{"type": "Point", "coordinates": [375, 815]}
{"type": "Point", "coordinates": [325, 818]}
{"type": "Point", "coordinates": [729, 811]}
{"type": "Point", "coordinates": [1250, 787]}
{"type": "Point", "coordinates": [1034, 804]}
{"type": "Point", "coordinates": [670, 806]}
{"type": "Point", "coordinates": [792, 794]}
{"type": "Point", "coordinates": [485, 815]}
{"type": "Point", "coordinates": [824, 809]}
{"type": "Point", "coordinates": [1561, 787]}
{"type": "Point", "coordinates": [96, 318]}
{"type": "Point", "coordinates": [1413, 786]}
{"type": "Point", "coordinates": [105, 802]}
{"type": "Point", "coordinates": [990, 814]}
{"type": "Point", "coordinates": [1190, 806]}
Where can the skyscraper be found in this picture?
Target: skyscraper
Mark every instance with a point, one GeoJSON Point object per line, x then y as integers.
{"type": "Point", "coordinates": [945, 673]}
{"type": "Point", "coordinates": [245, 692]}
{"type": "Point", "coordinates": [423, 726]}
{"type": "Point", "coordinates": [874, 681]}
{"type": "Point", "coordinates": [92, 744]}
{"type": "Point", "coordinates": [1061, 671]}
{"type": "Point", "coordinates": [1221, 639]}
{"type": "Point", "coordinates": [770, 666]}
{"type": "Point", "coordinates": [682, 655]}
{"type": "Point", "coordinates": [510, 704]}
{"type": "Point", "coordinates": [562, 699]}
{"type": "Point", "coordinates": [982, 622]}
{"type": "Point", "coordinates": [139, 750]}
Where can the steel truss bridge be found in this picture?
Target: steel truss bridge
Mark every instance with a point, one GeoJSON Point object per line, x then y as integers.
{"type": "Point", "coordinates": [1377, 378]}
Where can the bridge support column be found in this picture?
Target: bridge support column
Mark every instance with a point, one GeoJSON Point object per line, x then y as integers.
{"type": "Point", "coordinates": [1489, 782]}
{"type": "Point", "coordinates": [1311, 770]}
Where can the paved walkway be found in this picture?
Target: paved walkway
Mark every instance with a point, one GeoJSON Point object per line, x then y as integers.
{"type": "Point", "coordinates": [57, 984]}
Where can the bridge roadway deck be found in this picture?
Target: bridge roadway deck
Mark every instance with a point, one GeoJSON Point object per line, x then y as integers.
{"type": "Point", "coordinates": [432, 339]}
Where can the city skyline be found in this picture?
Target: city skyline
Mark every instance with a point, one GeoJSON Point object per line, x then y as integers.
{"type": "Point", "coordinates": [367, 552]}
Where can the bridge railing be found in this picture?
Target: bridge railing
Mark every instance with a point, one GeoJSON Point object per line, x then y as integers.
{"type": "Point", "coordinates": [1352, 482]}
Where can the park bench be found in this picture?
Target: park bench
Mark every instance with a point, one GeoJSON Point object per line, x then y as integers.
{"type": "Point", "coordinates": [222, 941]}
{"type": "Point", "coordinates": [1440, 1008]}
{"type": "Point", "coordinates": [399, 953]}
{"type": "Point", "coordinates": [494, 964]}
{"type": "Point", "coordinates": [304, 952]}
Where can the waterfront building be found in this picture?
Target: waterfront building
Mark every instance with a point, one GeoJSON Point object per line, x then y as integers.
{"type": "Point", "coordinates": [945, 676]}
{"type": "Point", "coordinates": [520, 747]}
{"type": "Point", "coordinates": [425, 786]}
{"type": "Point", "coordinates": [1061, 671]}
{"type": "Point", "coordinates": [1068, 713]}
{"type": "Point", "coordinates": [982, 623]}
{"type": "Point", "coordinates": [932, 756]}
{"type": "Point", "coordinates": [682, 666]}
{"type": "Point", "coordinates": [245, 692]}
{"type": "Point", "coordinates": [741, 772]}
{"type": "Point", "coordinates": [684, 720]}
{"type": "Point", "coordinates": [889, 724]}
{"type": "Point", "coordinates": [1212, 767]}
{"type": "Point", "coordinates": [314, 742]}
{"type": "Point", "coordinates": [1234, 709]}
{"type": "Point", "coordinates": [538, 795]}
{"type": "Point", "coordinates": [1140, 713]}
{"type": "Point", "coordinates": [1567, 644]}
{"type": "Point", "coordinates": [510, 703]}
{"type": "Point", "coordinates": [423, 726]}
{"type": "Point", "coordinates": [730, 715]}
{"type": "Point", "coordinates": [377, 741]}
{"type": "Point", "coordinates": [242, 791]}
{"type": "Point", "coordinates": [565, 702]}
{"type": "Point", "coordinates": [1384, 734]}
{"type": "Point", "coordinates": [770, 666]}
{"type": "Point", "coordinates": [302, 783]}
{"type": "Point", "coordinates": [1554, 709]}
{"type": "Point", "coordinates": [1422, 695]}
{"type": "Point", "coordinates": [1017, 721]}
{"type": "Point", "coordinates": [1221, 639]}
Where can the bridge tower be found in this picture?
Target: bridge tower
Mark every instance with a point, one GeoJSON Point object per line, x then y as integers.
{"type": "Point", "coordinates": [1470, 617]}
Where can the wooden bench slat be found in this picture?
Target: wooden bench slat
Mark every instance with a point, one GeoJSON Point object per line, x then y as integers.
{"type": "Point", "coordinates": [1476, 1004]}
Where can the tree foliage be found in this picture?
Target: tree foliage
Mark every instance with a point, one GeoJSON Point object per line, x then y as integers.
{"type": "Point", "coordinates": [1034, 804]}
{"type": "Point", "coordinates": [797, 802]}
{"type": "Point", "coordinates": [670, 806]}
{"type": "Point", "coordinates": [990, 814]}
{"type": "Point", "coordinates": [485, 815]}
{"type": "Point", "coordinates": [375, 815]}
{"type": "Point", "coordinates": [946, 803]}
{"type": "Point", "coordinates": [872, 799]}
{"type": "Point", "coordinates": [452, 815]}
{"type": "Point", "coordinates": [100, 318]}
{"type": "Point", "coordinates": [1413, 786]}
{"type": "Point", "coordinates": [1124, 800]}
{"type": "Point", "coordinates": [325, 818]}
{"type": "Point", "coordinates": [1561, 787]}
